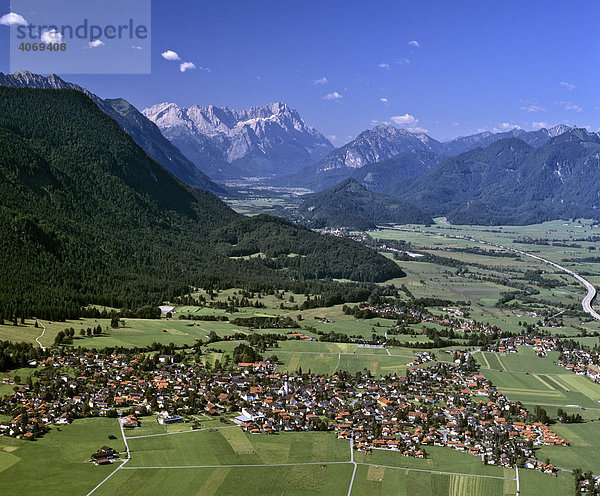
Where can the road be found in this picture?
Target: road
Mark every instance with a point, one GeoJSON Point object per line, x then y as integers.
{"type": "Point", "coordinates": [591, 290]}
{"type": "Point", "coordinates": [353, 463]}
{"type": "Point", "coordinates": [41, 336]}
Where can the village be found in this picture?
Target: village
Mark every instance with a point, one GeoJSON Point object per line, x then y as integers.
{"type": "Point", "coordinates": [442, 404]}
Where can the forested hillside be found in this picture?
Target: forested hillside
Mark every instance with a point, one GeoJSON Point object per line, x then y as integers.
{"type": "Point", "coordinates": [87, 217]}
{"type": "Point", "coordinates": [510, 182]}
{"type": "Point", "coordinates": [350, 204]}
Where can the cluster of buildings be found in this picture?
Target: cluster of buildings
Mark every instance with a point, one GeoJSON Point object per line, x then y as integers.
{"type": "Point", "coordinates": [452, 318]}
{"type": "Point", "coordinates": [579, 361]}
{"type": "Point", "coordinates": [440, 405]}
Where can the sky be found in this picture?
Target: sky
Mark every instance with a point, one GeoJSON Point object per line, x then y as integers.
{"type": "Point", "coordinates": [445, 68]}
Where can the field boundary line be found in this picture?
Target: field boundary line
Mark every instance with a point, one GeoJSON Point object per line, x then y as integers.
{"type": "Point", "coordinates": [486, 360]}
{"type": "Point", "coordinates": [436, 471]}
{"type": "Point", "coordinates": [168, 467]}
{"type": "Point", "coordinates": [500, 362]}
{"type": "Point", "coordinates": [277, 352]}
{"type": "Point", "coordinates": [181, 432]}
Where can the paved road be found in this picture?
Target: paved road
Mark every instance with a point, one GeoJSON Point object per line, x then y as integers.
{"type": "Point", "coordinates": [353, 463]}
{"type": "Point", "coordinates": [591, 290]}
{"type": "Point", "coordinates": [41, 336]}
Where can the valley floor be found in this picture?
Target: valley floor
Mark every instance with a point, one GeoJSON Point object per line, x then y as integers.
{"type": "Point", "coordinates": [507, 291]}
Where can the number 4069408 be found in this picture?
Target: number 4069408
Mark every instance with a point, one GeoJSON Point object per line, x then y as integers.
{"type": "Point", "coordinates": [42, 47]}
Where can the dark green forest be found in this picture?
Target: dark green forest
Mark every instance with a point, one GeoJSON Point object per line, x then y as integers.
{"type": "Point", "coordinates": [87, 217]}
{"type": "Point", "coordinates": [349, 204]}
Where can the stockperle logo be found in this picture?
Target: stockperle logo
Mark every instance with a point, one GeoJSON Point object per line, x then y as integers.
{"type": "Point", "coordinates": [80, 37]}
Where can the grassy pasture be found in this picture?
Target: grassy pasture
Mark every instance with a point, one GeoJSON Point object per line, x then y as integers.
{"type": "Point", "coordinates": [547, 390]}
{"type": "Point", "coordinates": [582, 453]}
{"type": "Point", "coordinates": [297, 480]}
{"type": "Point", "coordinates": [523, 361]}
{"type": "Point", "coordinates": [58, 462]}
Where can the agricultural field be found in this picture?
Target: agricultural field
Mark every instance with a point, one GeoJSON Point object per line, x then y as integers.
{"type": "Point", "coordinates": [561, 390]}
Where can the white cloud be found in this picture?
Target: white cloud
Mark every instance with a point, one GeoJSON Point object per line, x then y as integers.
{"type": "Point", "coordinates": [569, 86]}
{"type": "Point", "coordinates": [414, 43]}
{"type": "Point", "coordinates": [184, 66]}
{"type": "Point", "coordinates": [333, 96]}
{"type": "Point", "coordinates": [258, 77]}
{"type": "Point", "coordinates": [455, 124]}
{"type": "Point", "coordinates": [136, 47]}
{"type": "Point", "coordinates": [408, 122]}
{"type": "Point", "coordinates": [404, 120]}
{"type": "Point", "coordinates": [95, 43]}
{"type": "Point", "coordinates": [321, 81]}
{"type": "Point", "coordinates": [170, 55]}
{"type": "Point", "coordinates": [533, 107]}
{"type": "Point", "coordinates": [540, 125]}
{"type": "Point", "coordinates": [571, 106]}
{"type": "Point", "coordinates": [13, 19]}
{"type": "Point", "coordinates": [403, 60]}
{"type": "Point", "coordinates": [383, 100]}
{"type": "Point", "coordinates": [505, 126]}
{"type": "Point", "coordinates": [52, 36]}
{"type": "Point", "coordinates": [331, 137]}
{"type": "Point", "coordinates": [383, 65]}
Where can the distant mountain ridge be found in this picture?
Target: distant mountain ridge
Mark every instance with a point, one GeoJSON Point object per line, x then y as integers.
{"type": "Point", "coordinates": [271, 140]}
{"type": "Point", "coordinates": [144, 132]}
{"type": "Point", "coordinates": [410, 154]}
{"type": "Point", "coordinates": [534, 138]}
{"type": "Point", "coordinates": [512, 182]}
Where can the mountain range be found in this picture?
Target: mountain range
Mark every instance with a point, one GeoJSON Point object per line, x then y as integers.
{"type": "Point", "coordinates": [268, 141]}
{"type": "Point", "coordinates": [512, 182]}
{"type": "Point", "coordinates": [144, 132]}
{"type": "Point", "coordinates": [388, 155]}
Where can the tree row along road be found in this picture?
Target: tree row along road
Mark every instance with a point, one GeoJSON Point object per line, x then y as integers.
{"type": "Point", "coordinates": [591, 290]}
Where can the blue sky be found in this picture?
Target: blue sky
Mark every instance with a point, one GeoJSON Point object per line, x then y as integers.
{"type": "Point", "coordinates": [473, 65]}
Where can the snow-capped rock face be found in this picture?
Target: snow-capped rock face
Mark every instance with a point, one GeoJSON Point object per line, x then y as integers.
{"type": "Point", "coordinates": [375, 145]}
{"type": "Point", "coordinates": [558, 130]}
{"type": "Point", "coordinates": [262, 141]}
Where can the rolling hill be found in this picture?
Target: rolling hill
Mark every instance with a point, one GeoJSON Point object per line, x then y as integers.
{"type": "Point", "coordinates": [351, 205]}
